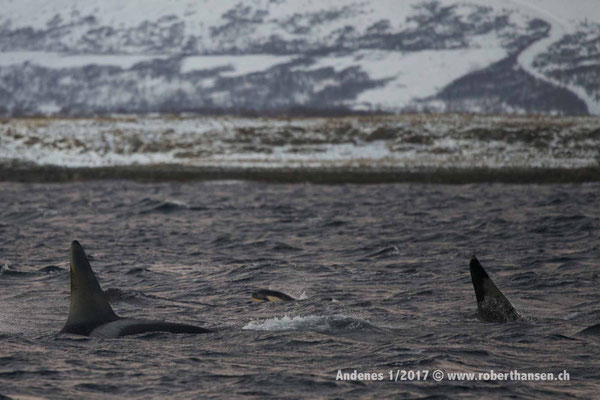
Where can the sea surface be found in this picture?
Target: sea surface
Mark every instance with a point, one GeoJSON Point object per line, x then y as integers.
{"type": "Point", "coordinates": [381, 273]}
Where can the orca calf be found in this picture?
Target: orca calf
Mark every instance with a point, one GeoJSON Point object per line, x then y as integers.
{"type": "Point", "coordinates": [491, 303]}
{"type": "Point", "coordinates": [90, 313]}
{"type": "Point", "coordinates": [270, 295]}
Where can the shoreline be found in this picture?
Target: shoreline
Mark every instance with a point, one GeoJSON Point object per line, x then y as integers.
{"type": "Point", "coordinates": [163, 173]}
{"type": "Point", "coordinates": [432, 148]}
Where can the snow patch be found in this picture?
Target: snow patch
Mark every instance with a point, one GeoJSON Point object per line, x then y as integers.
{"type": "Point", "coordinates": [407, 77]}
{"type": "Point", "coordinates": [237, 65]}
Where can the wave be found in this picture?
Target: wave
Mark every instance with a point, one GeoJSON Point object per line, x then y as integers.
{"type": "Point", "coordinates": [8, 270]}
{"type": "Point", "coordinates": [148, 206]}
{"type": "Point", "coordinates": [317, 323]}
{"type": "Point", "coordinates": [116, 295]}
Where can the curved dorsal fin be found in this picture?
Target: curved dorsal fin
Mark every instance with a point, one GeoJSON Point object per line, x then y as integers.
{"type": "Point", "coordinates": [89, 307]}
{"type": "Point", "coordinates": [493, 306]}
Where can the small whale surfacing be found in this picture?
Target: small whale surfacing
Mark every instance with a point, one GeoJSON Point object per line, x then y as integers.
{"type": "Point", "coordinates": [591, 330]}
{"type": "Point", "coordinates": [492, 305]}
{"type": "Point", "coordinates": [270, 295]}
{"type": "Point", "coordinates": [90, 313]}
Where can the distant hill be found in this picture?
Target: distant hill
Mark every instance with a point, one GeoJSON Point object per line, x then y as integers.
{"type": "Point", "coordinates": [274, 57]}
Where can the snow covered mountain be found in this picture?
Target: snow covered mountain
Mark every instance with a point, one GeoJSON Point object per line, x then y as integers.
{"type": "Point", "coordinates": [73, 57]}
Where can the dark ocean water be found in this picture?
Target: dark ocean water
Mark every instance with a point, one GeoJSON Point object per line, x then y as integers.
{"type": "Point", "coordinates": [394, 259]}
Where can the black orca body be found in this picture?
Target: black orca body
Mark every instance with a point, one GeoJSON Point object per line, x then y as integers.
{"type": "Point", "coordinates": [270, 295]}
{"type": "Point", "coordinates": [591, 330]}
{"type": "Point", "coordinates": [90, 313]}
{"type": "Point", "coordinates": [491, 303]}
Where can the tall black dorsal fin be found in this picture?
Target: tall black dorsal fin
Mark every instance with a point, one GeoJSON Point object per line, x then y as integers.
{"type": "Point", "coordinates": [493, 306]}
{"type": "Point", "coordinates": [89, 307]}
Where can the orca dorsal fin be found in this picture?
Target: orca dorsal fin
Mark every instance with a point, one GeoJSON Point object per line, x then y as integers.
{"type": "Point", "coordinates": [493, 306]}
{"type": "Point", "coordinates": [89, 306]}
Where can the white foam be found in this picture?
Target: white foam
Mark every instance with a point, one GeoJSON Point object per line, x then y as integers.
{"type": "Point", "coordinates": [302, 296]}
{"type": "Point", "coordinates": [286, 323]}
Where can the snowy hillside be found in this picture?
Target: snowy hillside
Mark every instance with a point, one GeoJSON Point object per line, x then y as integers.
{"type": "Point", "coordinates": [72, 57]}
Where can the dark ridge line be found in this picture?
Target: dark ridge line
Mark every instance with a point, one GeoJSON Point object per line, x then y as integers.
{"type": "Point", "coordinates": [296, 113]}
{"type": "Point", "coordinates": [161, 173]}
{"type": "Point", "coordinates": [284, 112]}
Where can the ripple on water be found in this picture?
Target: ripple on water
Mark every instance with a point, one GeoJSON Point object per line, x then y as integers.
{"type": "Point", "coordinates": [394, 257]}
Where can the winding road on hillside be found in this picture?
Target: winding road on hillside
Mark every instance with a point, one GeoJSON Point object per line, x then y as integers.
{"type": "Point", "coordinates": [558, 29]}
